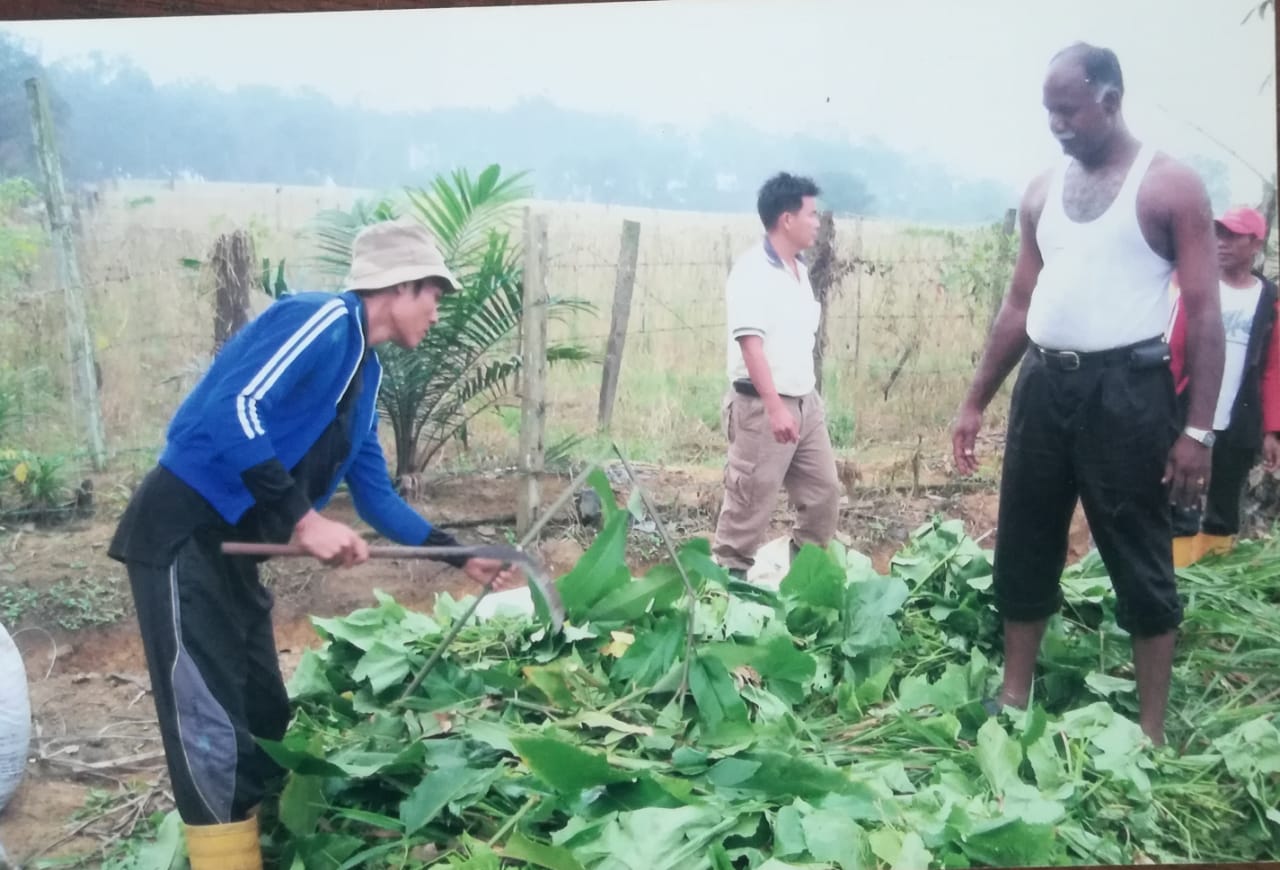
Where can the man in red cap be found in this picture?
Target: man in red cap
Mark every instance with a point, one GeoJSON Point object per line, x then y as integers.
{"type": "Point", "coordinates": [1247, 417]}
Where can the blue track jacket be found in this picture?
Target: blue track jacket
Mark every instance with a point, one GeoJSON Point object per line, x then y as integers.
{"type": "Point", "coordinates": [270, 393]}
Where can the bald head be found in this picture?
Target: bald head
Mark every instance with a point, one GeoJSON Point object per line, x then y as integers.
{"type": "Point", "coordinates": [1082, 94]}
{"type": "Point", "coordinates": [1097, 68]}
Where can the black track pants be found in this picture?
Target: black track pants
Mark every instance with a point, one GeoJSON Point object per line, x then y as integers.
{"type": "Point", "coordinates": [206, 629]}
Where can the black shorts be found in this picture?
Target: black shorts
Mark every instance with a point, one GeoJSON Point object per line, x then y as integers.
{"type": "Point", "coordinates": [1100, 433]}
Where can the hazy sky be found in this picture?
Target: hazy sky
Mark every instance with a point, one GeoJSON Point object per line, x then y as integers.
{"type": "Point", "coordinates": [956, 81]}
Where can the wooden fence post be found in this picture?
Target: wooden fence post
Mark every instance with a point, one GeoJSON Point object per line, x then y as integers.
{"type": "Point", "coordinates": [83, 365]}
{"type": "Point", "coordinates": [533, 408]}
{"type": "Point", "coordinates": [857, 295]}
{"type": "Point", "coordinates": [623, 286]}
{"type": "Point", "coordinates": [997, 295]}
{"type": "Point", "coordinates": [233, 261]}
{"type": "Point", "coordinates": [1268, 209]}
{"type": "Point", "coordinates": [823, 274]}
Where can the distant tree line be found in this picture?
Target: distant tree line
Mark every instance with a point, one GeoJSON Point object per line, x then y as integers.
{"type": "Point", "coordinates": [112, 120]}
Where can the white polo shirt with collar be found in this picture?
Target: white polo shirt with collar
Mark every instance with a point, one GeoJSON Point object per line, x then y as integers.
{"type": "Point", "coordinates": [763, 297]}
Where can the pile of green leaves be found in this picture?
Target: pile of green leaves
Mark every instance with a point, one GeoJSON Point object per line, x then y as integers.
{"type": "Point", "coordinates": [836, 723]}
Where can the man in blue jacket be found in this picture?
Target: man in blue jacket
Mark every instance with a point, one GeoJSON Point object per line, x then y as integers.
{"type": "Point", "coordinates": [287, 410]}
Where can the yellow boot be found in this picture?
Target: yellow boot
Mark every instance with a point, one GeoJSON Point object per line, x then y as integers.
{"type": "Point", "coordinates": [232, 846]}
{"type": "Point", "coordinates": [1186, 549]}
{"type": "Point", "coordinates": [1215, 544]}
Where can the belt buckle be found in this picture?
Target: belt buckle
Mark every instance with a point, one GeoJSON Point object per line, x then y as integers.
{"type": "Point", "coordinates": [1072, 356]}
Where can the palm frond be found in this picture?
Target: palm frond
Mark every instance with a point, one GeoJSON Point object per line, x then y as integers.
{"type": "Point", "coordinates": [467, 362]}
{"type": "Point", "coordinates": [333, 231]}
{"type": "Point", "coordinates": [463, 214]}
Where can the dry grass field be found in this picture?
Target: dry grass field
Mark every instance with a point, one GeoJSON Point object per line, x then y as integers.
{"type": "Point", "coordinates": [151, 318]}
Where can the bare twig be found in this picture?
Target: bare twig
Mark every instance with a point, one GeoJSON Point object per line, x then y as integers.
{"type": "Point", "coordinates": [504, 520]}
{"type": "Point", "coordinates": [558, 504]}
{"type": "Point", "coordinates": [68, 836]}
{"type": "Point", "coordinates": [1215, 140]}
{"type": "Point", "coordinates": [514, 820]}
{"type": "Point", "coordinates": [74, 832]}
{"type": "Point", "coordinates": [125, 762]}
{"type": "Point", "coordinates": [684, 577]}
{"type": "Point", "coordinates": [53, 646]}
{"type": "Point", "coordinates": [897, 370]}
{"type": "Point", "coordinates": [141, 808]}
{"type": "Point", "coordinates": [125, 678]}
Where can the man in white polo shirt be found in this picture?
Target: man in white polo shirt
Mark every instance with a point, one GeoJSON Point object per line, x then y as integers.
{"type": "Point", "coordinates": [773, 416]}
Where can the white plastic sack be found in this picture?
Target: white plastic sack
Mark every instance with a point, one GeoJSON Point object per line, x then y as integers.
{"type": "Point", "coordinates": [15, 718]}
{"type": "Point", "coordinates": [508, 602]}
{"type": "Point", "coordinates": [772, 563]}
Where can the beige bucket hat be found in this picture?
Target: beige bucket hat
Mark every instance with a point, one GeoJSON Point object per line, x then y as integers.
{"type": "Point", "coordinates": [391, 252]}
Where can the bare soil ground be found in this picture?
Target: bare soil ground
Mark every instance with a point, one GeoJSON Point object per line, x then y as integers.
{"type": "Point", "coordinates": [92, 711]}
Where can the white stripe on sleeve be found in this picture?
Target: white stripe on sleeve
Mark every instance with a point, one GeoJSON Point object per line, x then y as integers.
{"type": "Point", "coordinates": [246, 401]}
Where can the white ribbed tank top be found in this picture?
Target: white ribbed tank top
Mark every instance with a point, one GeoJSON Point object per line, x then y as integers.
{"type": "Point", "coordinates": [1101, 286]}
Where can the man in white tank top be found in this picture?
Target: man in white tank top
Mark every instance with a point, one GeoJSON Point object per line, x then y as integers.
{"type": "Point", "coordinates": [1093, 414]}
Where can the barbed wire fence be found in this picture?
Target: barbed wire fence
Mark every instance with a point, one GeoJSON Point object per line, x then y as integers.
{"type": "Point", "coordinates": [903, 331]}
{"type": "Point", "coordinates": [900, 344]}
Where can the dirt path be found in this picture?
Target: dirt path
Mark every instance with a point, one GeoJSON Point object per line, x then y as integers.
{"type": "Point", "coordinates": [91, 706]}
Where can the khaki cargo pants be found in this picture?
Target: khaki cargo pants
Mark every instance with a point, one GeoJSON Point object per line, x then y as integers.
{"type": "Point", "coordinates": [758, 466]}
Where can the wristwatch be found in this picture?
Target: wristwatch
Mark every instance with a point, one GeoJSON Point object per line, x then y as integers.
{"type": "Point", "coordinates": [1204, 436]}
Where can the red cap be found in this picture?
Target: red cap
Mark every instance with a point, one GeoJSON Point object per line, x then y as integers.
{"type": "Point", "coordinates": [1244, 221]}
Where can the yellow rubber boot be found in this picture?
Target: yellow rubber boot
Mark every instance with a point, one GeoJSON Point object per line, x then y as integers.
{"type": "Point", "coordinates": [1186, 549]}
{"type": "Point", "coordinates": [1214, 545]}
{"type": "Point", "coordinates": [232, 846]}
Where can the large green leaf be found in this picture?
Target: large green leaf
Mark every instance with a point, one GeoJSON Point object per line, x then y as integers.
{"type": "Point", "coordinates": [630, 601]}
{"type": "Point", "coordinates": [1013, 843]}
{"type": "Point", "coordinates": [653, 653]}
{"type": "Point", "coordinates": [309, 680]}
{"type": "Point", "coordinates": [565, 767]}
{"type": "Point", "coordinates": [869, 607]}
{"type": "Point", "coordinates": [436, 791]}
{"type": "Point", "coordinates": [166, 851]}
{"type": "Point", "coordinates": [720, 707]}
{"type": "Point", "coordinates": [384, 666]}
{"type": "Point", "coordinates": [814, 579]}
{"type": "Point", "coordinates": [302, 803]}
{"type": "Point", "coordinates": [656, 838]}
{"type": "Point", "coordinates": [601, 571]}
{"type": "Point", "coordinates": [521, 848]}
{"type": "Point", "coordinates": [998, 756]}
{"type": "Point", "coordinates": [833, 836]}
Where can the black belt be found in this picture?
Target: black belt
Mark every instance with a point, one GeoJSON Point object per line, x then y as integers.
{"type": "Point", "coordinates": [1071, 360]}
{"type": "Point", "coordinates": [747, 388]}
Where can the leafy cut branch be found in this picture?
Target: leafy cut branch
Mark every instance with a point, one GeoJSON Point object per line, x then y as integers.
{"type": "Point", "coordinates": [835, 722]}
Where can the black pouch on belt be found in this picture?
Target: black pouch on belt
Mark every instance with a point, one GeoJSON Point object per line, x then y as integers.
{"type": "Point", "coordinates": [1149, 356]}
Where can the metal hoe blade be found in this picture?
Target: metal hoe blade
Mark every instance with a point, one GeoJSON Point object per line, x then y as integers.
{"type": "Point", "coordinates": [499, 552]}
